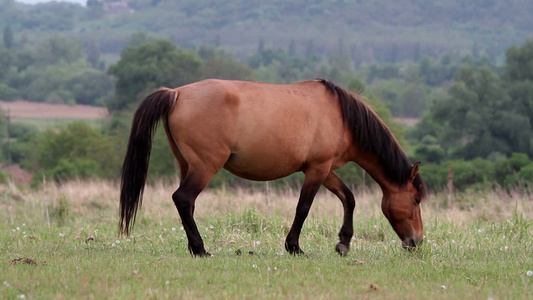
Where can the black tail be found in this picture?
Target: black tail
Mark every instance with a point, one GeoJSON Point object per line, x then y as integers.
{"type": "Point", "coordinates": [153, 108]}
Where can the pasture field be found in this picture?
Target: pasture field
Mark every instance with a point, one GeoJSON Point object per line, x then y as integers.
{"type": "Point", "coordinates": [47, 115]}
{"type": "Point", "coordinates": [61, 242]}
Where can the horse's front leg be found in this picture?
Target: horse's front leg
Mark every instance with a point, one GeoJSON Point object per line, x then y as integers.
{"type": "Point", "coordinates": [337, 187]}
{"type": "Point", "coordinates": [313, 179]}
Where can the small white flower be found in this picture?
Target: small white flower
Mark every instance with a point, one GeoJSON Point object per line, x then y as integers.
{"type": "Point", "coordinates": [275, 268]}
{"type": "Point", "coordinates": [506, 248]}
{"type": "Point", "coordinates": [24, 232]}
{"type": "Point", "coordinates": [181, 228]}
{"type": "Point", "coordinates": [280, 253]}
{"type": "Point", "coordinates": [254, 266]}
{"type": "Point", "coordinates": [118, 242]}
{"type": "Point", "coordinates": [6, 283]}
{"type": "Point", "coordinates": [268, 269]}
{"type": "Point", "coordinates": [167, 282]}
{"type": "Point", "coordinates": [480, 230]}
{"type": "Point", "coordinates": [443, 287]}
{"type": "Point", "coordinates": [211, 227]}
{"type": "Point", "coordinates": [258, 242]}
{"type": "Point", "coordinates": [21, 296]}
{"type": "Point", "coordinates": [18, 228]}
{"type": "Point", "coordinates": [529, 273]}
{"type": "Point", "coordinates": [128, 240]}
{"type": "Point", "coordinates": [61, 235]}
{"type": "Point", "coordinates": [23, 224]}
{"type": "Point", "coordinates": [173, 228]}
{"type": "Point", "coordinates": [13, 230]}
{"type": "Point", "coordinates": [113, 245]}
{"type": "Point", "coordinates": [393, 241]}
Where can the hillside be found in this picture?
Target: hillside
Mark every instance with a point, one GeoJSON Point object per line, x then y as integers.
{"type": "Point", "coordinates": [380, 30]}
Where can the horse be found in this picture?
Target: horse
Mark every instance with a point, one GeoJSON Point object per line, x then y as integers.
{"type": "Point", "coordinates": [261, 131]}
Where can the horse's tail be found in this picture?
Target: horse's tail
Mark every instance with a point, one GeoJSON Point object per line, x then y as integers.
{"type": "Point", "coordinates": [153, 108]}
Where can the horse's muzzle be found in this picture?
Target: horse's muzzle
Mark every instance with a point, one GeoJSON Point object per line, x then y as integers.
{"type": "Point", "coordinates": [411, 243]}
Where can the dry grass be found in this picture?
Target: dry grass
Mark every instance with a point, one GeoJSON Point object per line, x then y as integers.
{"type": "Point", "coordinates": [100, 199]}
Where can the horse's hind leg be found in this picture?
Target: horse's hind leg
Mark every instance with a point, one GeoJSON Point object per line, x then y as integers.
{"type": "Point", "coordinates": [184, 199]}
{"type": "Point", "coordinates": [313, 179]}
{"type": "Point", "coordinates": [337, 187]}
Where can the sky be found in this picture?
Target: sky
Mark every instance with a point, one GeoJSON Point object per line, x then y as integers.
{"type": "Point", "coordinates": [82, 2]}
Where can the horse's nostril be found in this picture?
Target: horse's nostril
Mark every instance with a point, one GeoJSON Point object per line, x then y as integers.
{"type": "Point", "coordinates": [410, 244]}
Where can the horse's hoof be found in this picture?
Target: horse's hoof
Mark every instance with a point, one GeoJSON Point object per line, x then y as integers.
{"type": "Point", "coordinates": [294, 249]}
{"type": "Point", "coordinates": [342, 249]}
{"type": "Point", "coordinates": [202, 254]}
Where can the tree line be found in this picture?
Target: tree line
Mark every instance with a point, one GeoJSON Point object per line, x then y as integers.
{"type": "Point", "coordinates": [475, 115]}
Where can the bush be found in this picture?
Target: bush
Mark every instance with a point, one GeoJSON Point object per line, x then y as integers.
{"type": "Point", "coordinates": [9, 93]}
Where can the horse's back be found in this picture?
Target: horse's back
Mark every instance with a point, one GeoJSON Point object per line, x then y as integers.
{"type": "Point", "coordinates": [258, 130]}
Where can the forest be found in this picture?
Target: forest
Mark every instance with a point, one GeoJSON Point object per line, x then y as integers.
{"type": "Point", "coordinates": [471, 96]}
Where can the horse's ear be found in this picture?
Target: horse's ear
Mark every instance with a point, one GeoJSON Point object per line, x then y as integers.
{"type": "Point", "coordinates": [414, 170]}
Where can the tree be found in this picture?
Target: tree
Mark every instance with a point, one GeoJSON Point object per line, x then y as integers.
{"type": "Point", "coordinates": [478, 117]}
{"type": "Point", "coordinates": [148, 66]}
{"type": "Point", "coordinates": [292, 48]}
{"type": "Point", "coordinates": [6, 61]}
{"type": "Point", "coordinates": [225, 68]}
{"type": "Point", "coordinates": [93, 53]}
{"type": "Point", "coordinates": [58, 48]}
{"type": "Point", "coordinates": [519, 62]}
{"type": "Point", "coordinates": [8, 37]}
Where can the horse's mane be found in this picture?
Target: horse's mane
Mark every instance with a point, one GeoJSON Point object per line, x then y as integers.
{"type": "Point", "coordinates": [372, 135]}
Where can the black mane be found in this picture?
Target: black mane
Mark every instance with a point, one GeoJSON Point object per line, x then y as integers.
{"type": "Point", "coordinates": [372, 135]}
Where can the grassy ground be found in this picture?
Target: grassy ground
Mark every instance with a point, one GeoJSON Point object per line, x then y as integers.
{"type": "Point", "coordinates": [61, 243]}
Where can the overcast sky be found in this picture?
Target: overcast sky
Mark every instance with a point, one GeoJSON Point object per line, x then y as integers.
{"type": "Point", "coordinates": [82, 2]}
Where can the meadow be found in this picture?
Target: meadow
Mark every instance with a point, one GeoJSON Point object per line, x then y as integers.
{"type": "Point", "coordinates": [60, 242]}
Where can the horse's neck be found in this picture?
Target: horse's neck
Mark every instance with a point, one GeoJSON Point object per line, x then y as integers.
{"type": "Point", "coordinates": [370, 163]}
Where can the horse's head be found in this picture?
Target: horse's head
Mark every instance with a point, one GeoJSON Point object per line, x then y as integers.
{"type": "Point", "coordinates": [402, 208]}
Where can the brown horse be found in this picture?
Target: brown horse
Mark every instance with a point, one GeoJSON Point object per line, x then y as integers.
{"type": "Point", "coordinates": [262, 131]}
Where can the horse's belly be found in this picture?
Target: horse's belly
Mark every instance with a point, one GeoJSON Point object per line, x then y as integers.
{"type": "Point", "coordinates": [261, 168]}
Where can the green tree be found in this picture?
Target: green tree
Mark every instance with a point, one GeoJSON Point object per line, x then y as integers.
{"type": "Point", "coordinates": [225, 68]}
{"type": "Point", "coordinates": [478, 117]}
{"type": "Point", "coordinates": [519, 62]}
{"type": "Point", "coordinates": [68, 83]}
{"type": "Point", "coordinates": [148, 66]}
{"type": "Point", "coordinates": [6, 61]}
{"type": "Point", "coordinates": [8, 37]}
{"type": "Point", "coordinates": [93, 53]}
{"type": "Point", "coordinates": [519, 77]}
{"type": "Point", "coordinates": [58, 48]}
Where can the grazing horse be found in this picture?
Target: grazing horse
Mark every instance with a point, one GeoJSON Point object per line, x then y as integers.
{"type": "Point", "coordinates": [262, 131]}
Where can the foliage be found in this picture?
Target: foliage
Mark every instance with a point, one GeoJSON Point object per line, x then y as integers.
{"type": "Point", "coordinates": [8, 37]}
{"type": "Point", "coordinates": [148, 66]}
{"type": "Point", "coordinates": [77, 150]}
{"type": "Point", "coordinates": [55, 71]}
{"type": "Point", "coordinates": [481, 173]}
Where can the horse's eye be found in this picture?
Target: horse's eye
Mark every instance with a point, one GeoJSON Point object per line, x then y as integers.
{"type": "Point", "coordinates": [417, 200]}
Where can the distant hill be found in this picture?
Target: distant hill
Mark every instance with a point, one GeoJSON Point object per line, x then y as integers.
{"type": "Point", "coordinates": [373, 31]}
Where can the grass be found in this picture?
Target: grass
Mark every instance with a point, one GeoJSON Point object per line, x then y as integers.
{"type": "Point", "coordinates": [61, 243]}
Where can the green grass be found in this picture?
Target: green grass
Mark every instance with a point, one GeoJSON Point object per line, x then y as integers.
{"type": "Point", "coordinates": [80, 256]}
